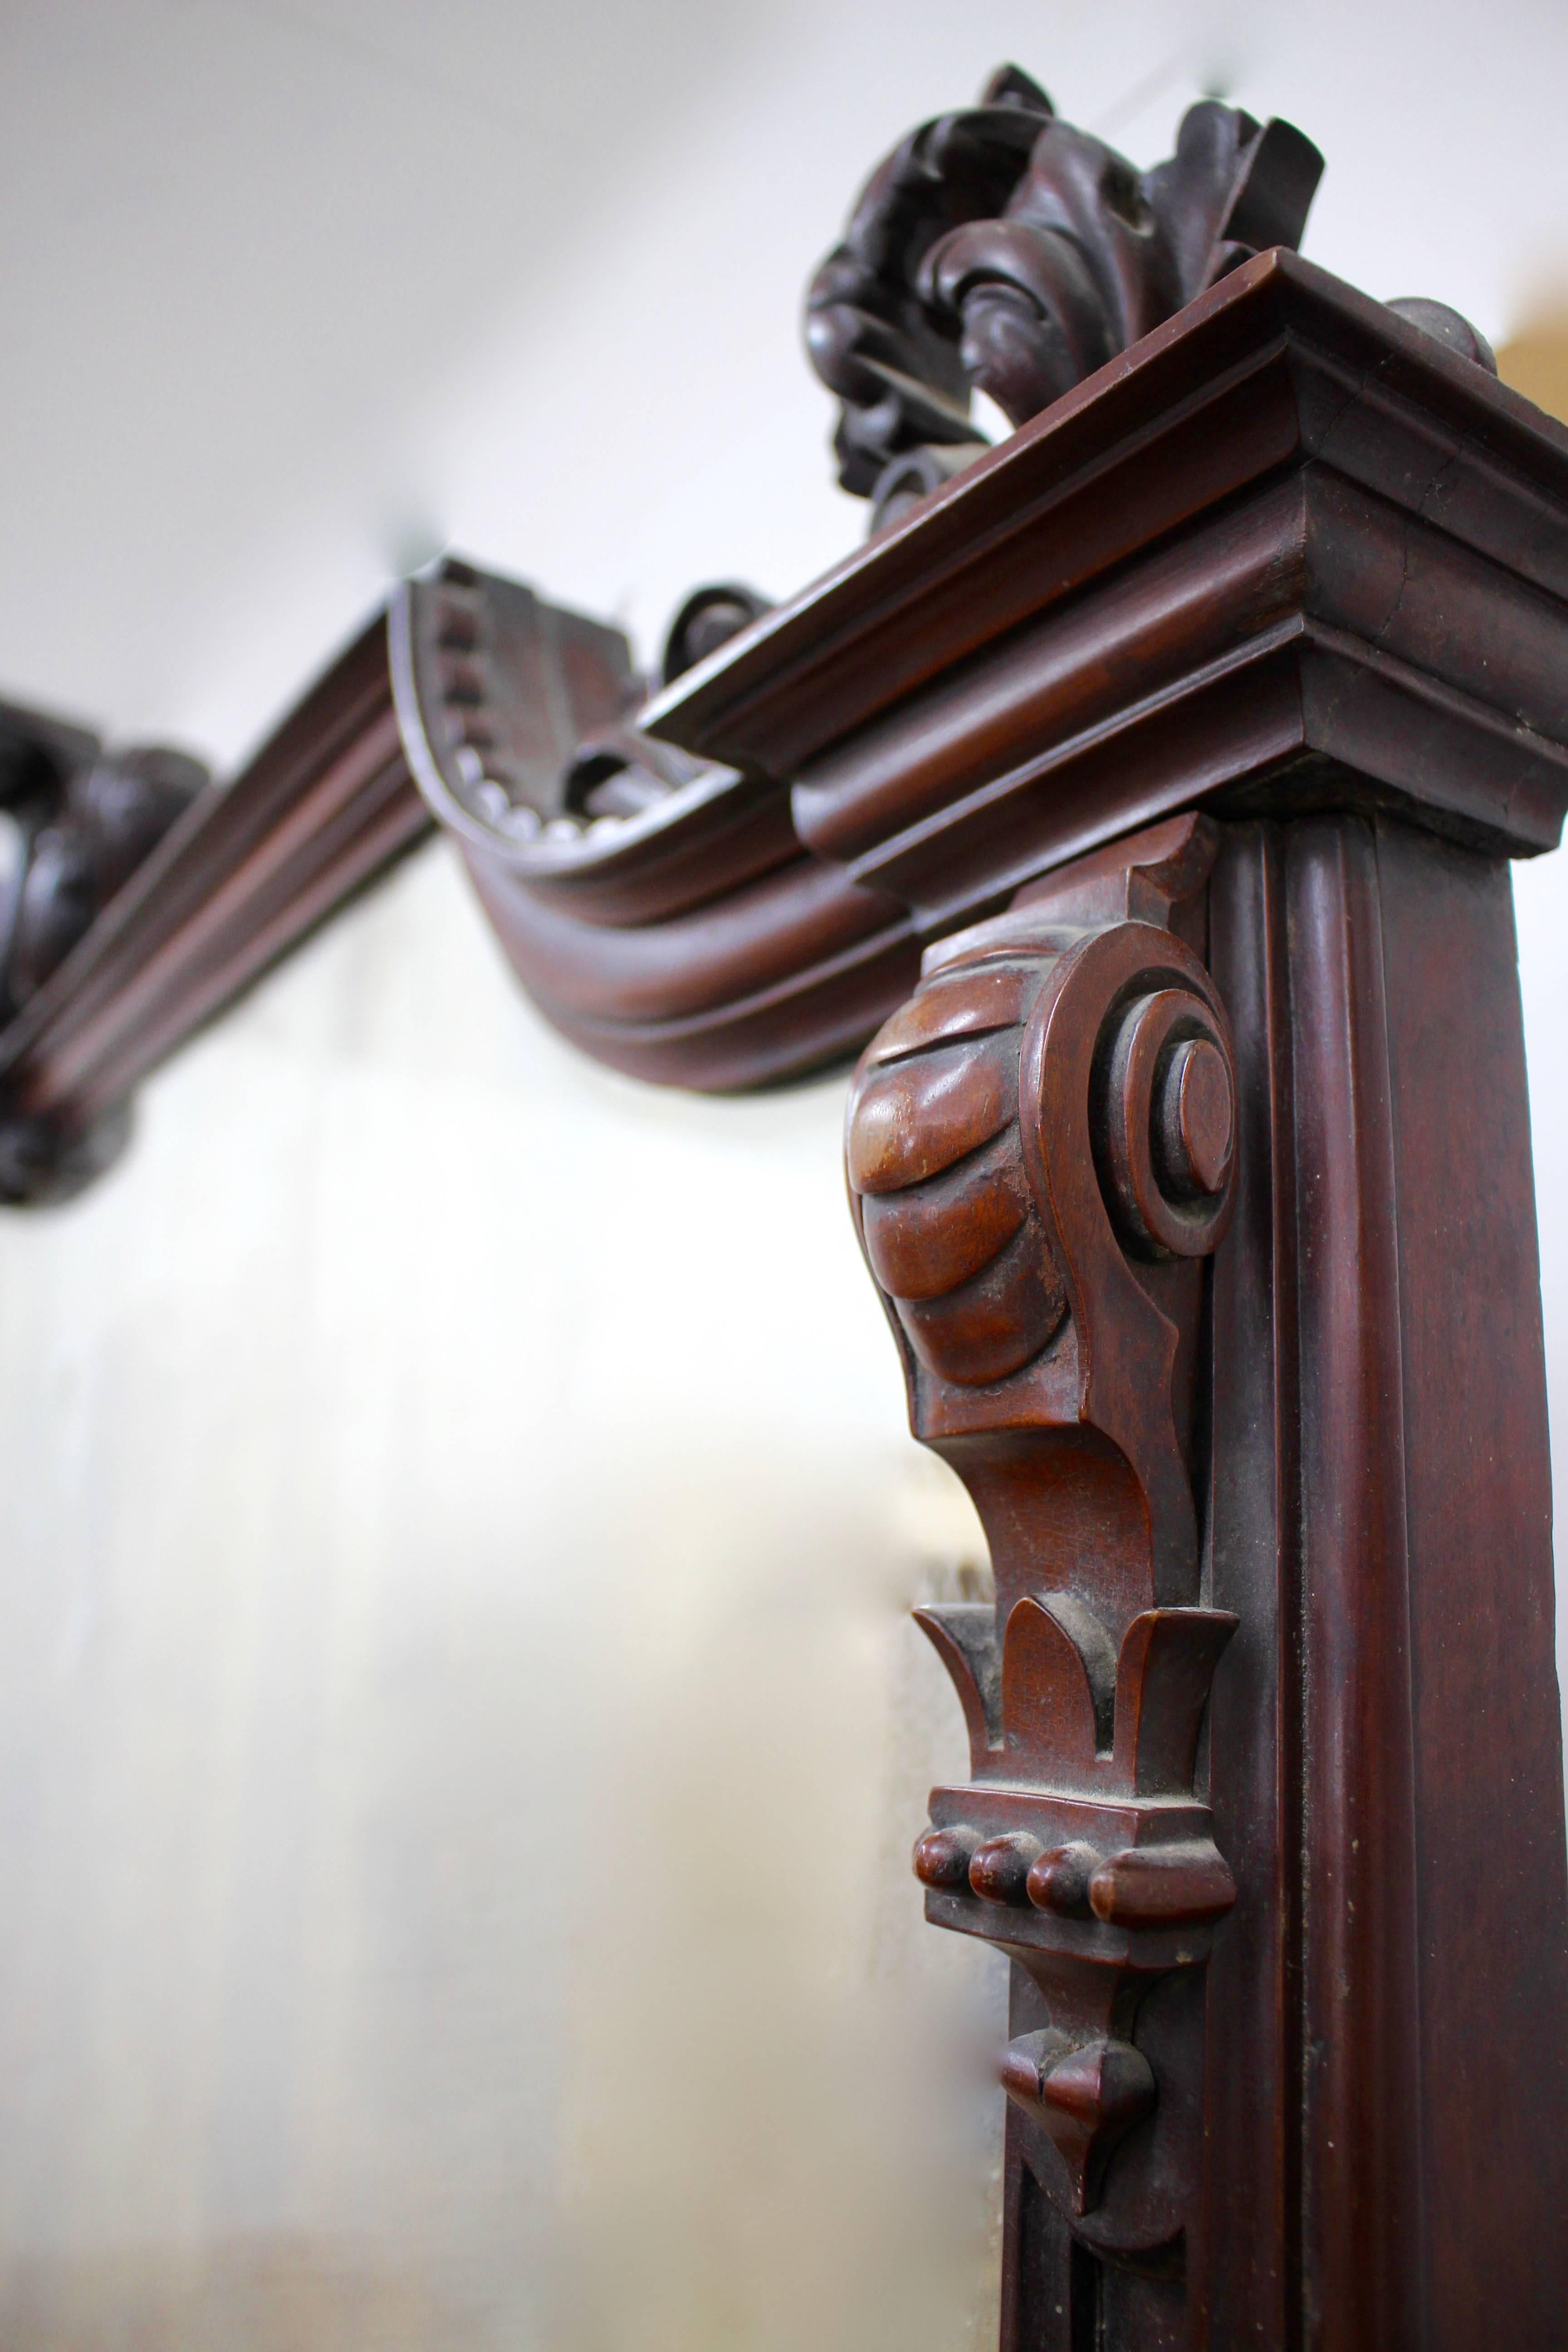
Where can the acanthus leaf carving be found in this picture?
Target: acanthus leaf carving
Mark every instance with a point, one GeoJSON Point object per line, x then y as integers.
{"type": "Point", "coordinates": [1040, 1147]}
{"type": "Point", "coordinates": [999, 249]}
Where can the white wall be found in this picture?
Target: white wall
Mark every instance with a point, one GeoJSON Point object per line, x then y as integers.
{"type": "Point", "coordinates": [460, 1734]}
{"type": "Point", "coordinates": [408, 1941]}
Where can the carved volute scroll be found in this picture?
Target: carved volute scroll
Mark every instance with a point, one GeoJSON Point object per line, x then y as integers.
{"type": "Point", "coordinates": [1040, 1155]}
{"type": "Point", "coordinates": [1000, 248]}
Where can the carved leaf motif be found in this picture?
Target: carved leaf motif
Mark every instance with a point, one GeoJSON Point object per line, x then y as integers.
{"type": "Point", "coordinates": [999, 248]}
{"type": "Point", "coordinates": [1058, 1098]}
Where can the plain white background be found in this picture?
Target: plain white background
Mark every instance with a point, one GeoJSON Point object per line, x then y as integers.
{"type": "Point", "coordinates": [459, 1732]}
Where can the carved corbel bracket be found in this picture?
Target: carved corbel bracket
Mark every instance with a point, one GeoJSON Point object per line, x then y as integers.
{"type": "Point", "coordinates": [1040, 1150]}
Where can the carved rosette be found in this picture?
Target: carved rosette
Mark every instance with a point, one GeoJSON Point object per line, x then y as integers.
{"type": "Point", "coordinates": [1040, 1152]}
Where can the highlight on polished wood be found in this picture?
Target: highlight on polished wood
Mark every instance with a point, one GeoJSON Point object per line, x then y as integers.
{"type": "Point", "coordinates": [1137, 803]}
{"type": "Point", "coordinates": [1207, 576]}
{"type": "Point", "coordinates": [1143, 791]}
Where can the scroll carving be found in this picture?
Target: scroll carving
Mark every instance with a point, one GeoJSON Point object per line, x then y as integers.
{"type": "Point", "coordinates": [1040, 1152]}
{"type": "Point", "coordinates": [999, 248]}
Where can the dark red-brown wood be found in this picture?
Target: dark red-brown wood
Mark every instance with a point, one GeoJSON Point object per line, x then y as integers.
{"type": "Point", "coordinates": [1384, 1534]}
{"type": "Point", "coordinates": [248, 871]}
{"type": "Point", "coordinates": [1147, 790]}
{"type": "Point", "coordinates": [1032, 1207]}
{"type": "Point", "coordinates": [1287, 552]}
{"type": "Point", "coordinates": [1346, 2125]}
{"type": "Point", "coordinates": [1195, 1176]}
{"type": "Point", "coordinates": [1001, 249]}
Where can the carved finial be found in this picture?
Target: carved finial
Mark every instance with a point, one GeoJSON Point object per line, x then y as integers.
{"type": "Point", "coordinates": [1011, 86]}
{"type": "Point", "coordinates": [82, 844]}
{"type": "Point", "coordinates": [999, 248]}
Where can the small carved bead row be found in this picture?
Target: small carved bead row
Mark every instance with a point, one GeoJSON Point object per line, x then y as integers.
{"type": "Point", "coordinates": [492, 741]}
{"type": "Point", "coordinates": [1134, 1886]}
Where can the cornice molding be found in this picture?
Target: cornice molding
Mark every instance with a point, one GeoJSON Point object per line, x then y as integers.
{"type": "Point", "coordinates": [1290, 552]}
{"type": "Point", "coordinates": [239, 881]}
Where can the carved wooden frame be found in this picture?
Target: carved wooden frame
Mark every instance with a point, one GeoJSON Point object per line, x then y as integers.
{"type": "Point", "coordinates": [247, 871]}
{"type": "Point", "coordinates": [1148, 791]}
{"type": "Point", "coordinates": [1186, 737]}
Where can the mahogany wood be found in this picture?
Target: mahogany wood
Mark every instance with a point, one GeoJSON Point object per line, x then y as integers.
{"type": "Point", "coordinates": [1389, 1736]}
{"type": "Point", "coordinates": [248, 871]}
{"type": "Point", "coordinates": [1146, 787]}
{"type": "Point", "coordinates": [77, 819]}
{"type": "Point", "coordinates": [1039, 1230]}
{"type": "Point", "coordinates": [1001, 249]}
{"type": "Point", "coordinates": [1290, 552]}
{"type": "Point", "coordinates": [1329, 2108]}
{"type": "Point", "coordinates": [1187, 736]}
